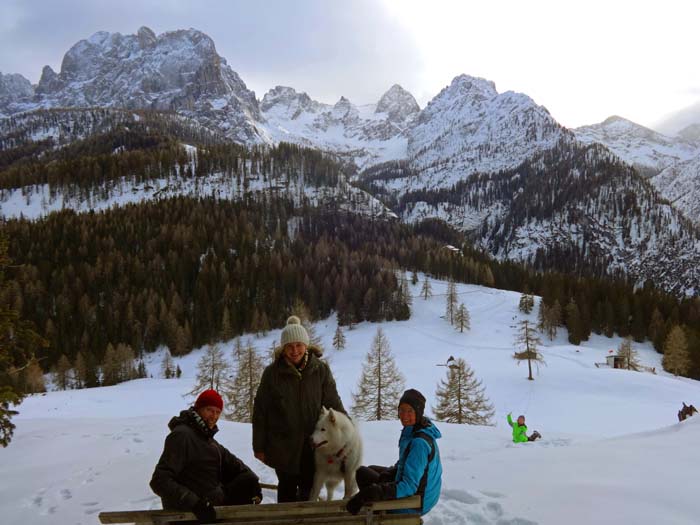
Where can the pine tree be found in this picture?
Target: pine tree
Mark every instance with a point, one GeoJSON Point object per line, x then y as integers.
{"type": "Point", "coordinates": [240, 395]}
{"type": "Point", "coordinates": [339, 339]}
{"type": "Point", "coordinates": [34, 377]}
{"type": "Point", "coordinates": [381, 384]}
{"type": "Point", "coordinates": [573, 322]}
{"type": "Point", "coordinates": [451, 301]}
{"type": "Point", "coordinates": [549, 318]}
{"type": "Point", "coordinates": [627, 351]}
{"type": "Point", "coordinates": [178, 372]}
{"type": "Point", "coordinates": [302, 312]}
{"type": "Point", "coordinates": [110, 367]}
{"type": "Point", "coordinates": [527, 340]}
{"type": "Point", "coordinates": [61, 373]}
{"type": "Point", "coordinates": [166, 365]}
{"type": "Point", "coordinates": [527, 303]}
{"type": "Point", "coordinates": [461, 397]}
{"type": "Point", "coordinates": [212, 370]}
{"type": "Point", "coordinates": [18, 341]}
{"type": "Point", "coordinates": [676, 357]}
{"type": "Point", "coordinates": [414, 278]}
{"type": "Point", "coordinates": [226, 330]}
{"type": "Point", "coordinates": [426, 291]}
{"type": "Point", "coordinates": [80, 376]}
{"type": "Point", "coordinates": [462, 318]}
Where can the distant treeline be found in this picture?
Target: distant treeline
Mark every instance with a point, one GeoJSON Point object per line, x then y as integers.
{"type": "Point", "coordinates": [183, 272]}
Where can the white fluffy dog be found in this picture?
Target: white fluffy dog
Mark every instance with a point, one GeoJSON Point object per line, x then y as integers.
{"type": "Point", "coordinates": [338, 454]}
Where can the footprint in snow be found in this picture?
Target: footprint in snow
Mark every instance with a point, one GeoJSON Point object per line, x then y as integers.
{"type": "Point", "coordinates": [460, 495]}
{"type": "Point", "coordinates": [66, 494]}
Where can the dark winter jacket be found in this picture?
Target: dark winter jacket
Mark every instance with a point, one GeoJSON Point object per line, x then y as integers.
{"type": "Point", "coordinates": [411, 466]}
{"type": "Point", "coordinates": [193, 465]}
{"type": "Point", "coordinates": [287, 406]}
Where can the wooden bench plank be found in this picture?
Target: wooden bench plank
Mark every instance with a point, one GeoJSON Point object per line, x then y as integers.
{"type": "Point", "coordinates": [263, 511]}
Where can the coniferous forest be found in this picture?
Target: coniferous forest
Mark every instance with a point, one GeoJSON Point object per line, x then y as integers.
{"type": "Point", "coordinates": [184, 271]}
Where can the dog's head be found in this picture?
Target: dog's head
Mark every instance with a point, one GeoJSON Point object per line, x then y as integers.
{"type": "Point", "coordinates": [327, 432]}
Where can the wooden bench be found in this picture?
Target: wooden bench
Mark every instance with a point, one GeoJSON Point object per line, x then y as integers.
{"type": "Point", "coordinates": [300, 513]}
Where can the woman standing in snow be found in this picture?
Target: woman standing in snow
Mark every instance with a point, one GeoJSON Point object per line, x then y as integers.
{"type": "Point", "coordinates": [287, 405]}
{"type": "Point", "coordinates": [418, 470]}
{"type": "Point", "coordinates": [520, 430]}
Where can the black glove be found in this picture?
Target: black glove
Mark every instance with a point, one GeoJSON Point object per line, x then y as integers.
{"type": "Point", "coordinates": [205, 511]}
{"type": "Point", "coordinates": [388, 475]}
{"type": "Point", "coordinates": [373, 492]}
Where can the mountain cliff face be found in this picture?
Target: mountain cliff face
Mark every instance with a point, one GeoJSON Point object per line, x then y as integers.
{"type": "Point", "coordinates": [14, 90]}
{"type": "Point", "coordinates": [361, 135]}
{"type": "Point", "coordinates": [177, 70]}
{"type": "Point", "coordinates": [470, 128]}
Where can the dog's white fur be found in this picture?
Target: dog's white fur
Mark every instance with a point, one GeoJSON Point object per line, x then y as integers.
{"type": "Point", "coordinates": [336, 442]}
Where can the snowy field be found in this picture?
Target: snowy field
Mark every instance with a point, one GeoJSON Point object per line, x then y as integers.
{"type": "Point", "coordinates": [612, 451]}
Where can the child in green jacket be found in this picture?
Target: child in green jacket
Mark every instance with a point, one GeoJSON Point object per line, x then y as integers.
{"type": "Point", "coordinates": [520, 430]}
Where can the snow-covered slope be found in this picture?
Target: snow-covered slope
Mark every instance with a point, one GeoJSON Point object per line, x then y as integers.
{"type": "Point", "coordinates": [643, 148]}
{"type": "Point", "coordinates": [469, 128]}
{"type": "Point", "coordinates": [680, 184]}
{"type": "Point", "coordinates": [363, 135]}
{"type": "Point", "coordinates": [612, 450]}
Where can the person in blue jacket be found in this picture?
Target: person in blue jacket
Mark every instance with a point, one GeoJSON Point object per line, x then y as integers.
{"type": "Point", "coordinates": [418, 470]}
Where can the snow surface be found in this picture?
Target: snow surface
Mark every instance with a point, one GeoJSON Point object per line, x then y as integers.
{"type": "Point", "coordinates": [612, 450]}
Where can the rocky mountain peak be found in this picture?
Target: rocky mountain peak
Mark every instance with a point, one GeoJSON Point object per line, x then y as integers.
{"type": "Point", "coordinates": [285, 97]}
{"type": "Point", "coordinates": [398, 104]}
{"type": "Point", "coordinates": [14, 87]}
{"type": "Point", "coordinates": [146, 37]}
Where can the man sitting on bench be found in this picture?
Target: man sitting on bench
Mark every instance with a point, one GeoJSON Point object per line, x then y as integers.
{"type": "Point", "coordinates": [195, 472]}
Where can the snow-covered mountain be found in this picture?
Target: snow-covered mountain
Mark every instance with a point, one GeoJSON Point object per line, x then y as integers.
{"type": "Point", "coordinates": [177, 70]}
{"type": "Point", "coordinates": [645, 149]}
{"type": "Point", "coordinates": [606, 433]}
{"type": "Point", "coordinates": [362, 135]}
{"type": "Point", "coordinates": [14, 88]}
{"type": "Point", "coordinates": [680, 184]}
{"type": "Point", "coordinates": [670, 162]}
{"type": "Point", "coordinates": [470, 128]}
{"type": "Point", "coordinates": [467, 130]}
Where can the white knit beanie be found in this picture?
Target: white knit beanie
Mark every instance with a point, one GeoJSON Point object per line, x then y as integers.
{"type": "Point", "coordinates": [294, 332]}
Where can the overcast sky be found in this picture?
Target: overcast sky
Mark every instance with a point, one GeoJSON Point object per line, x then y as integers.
{"type": "Point", "coordinates": [584, 61]}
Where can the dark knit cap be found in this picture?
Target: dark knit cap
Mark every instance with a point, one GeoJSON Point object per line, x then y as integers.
{"type": "Point", "coordinates": [209, 398]}
{"type": "Point", "coordinates": [416, 400]}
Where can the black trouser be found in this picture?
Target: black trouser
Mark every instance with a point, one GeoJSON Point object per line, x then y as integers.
{"type": "Point", "coordinates": [297, 487]}
{"type": "Point", "coordinates": [365, 476]}
{"type": "Point", "coordinates": [242, 489]}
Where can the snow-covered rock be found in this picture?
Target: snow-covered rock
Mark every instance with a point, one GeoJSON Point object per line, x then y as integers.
{"type": "Point", "coordinates": [469, 127]}
{"type": "Point", "coordinates": [643, 148]}
{"type": "Point", "coordinates": [13, 88]}
{"type": "Point", "coordinates": [362, 135]}
{"type": "Point", "coordinates": [177, 70]}
{"type": "Point", "coordinates": [680, 184]}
